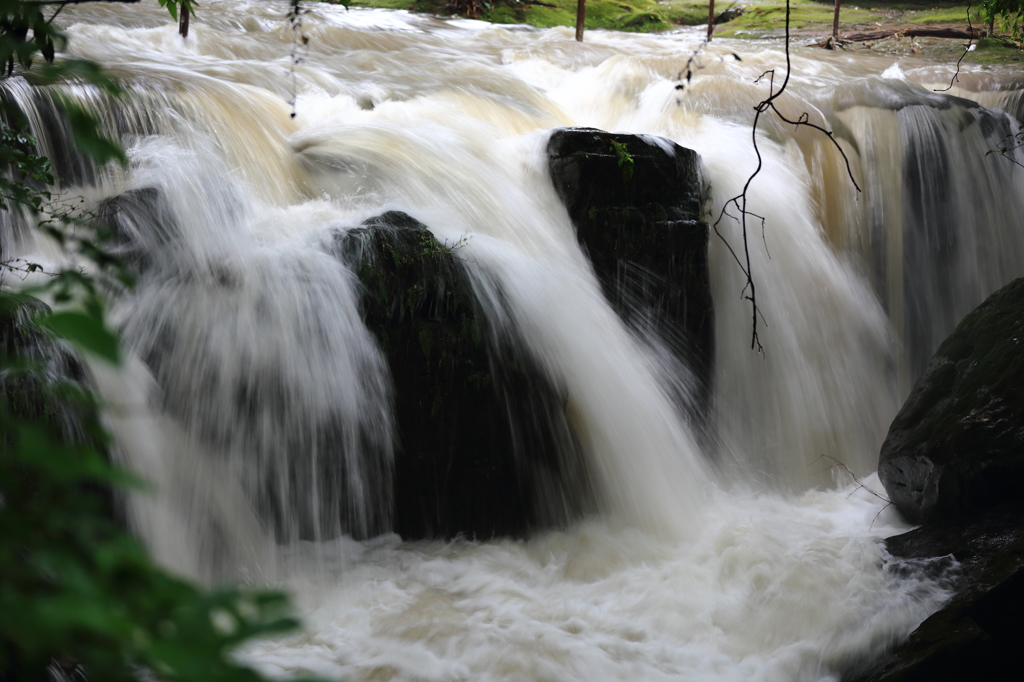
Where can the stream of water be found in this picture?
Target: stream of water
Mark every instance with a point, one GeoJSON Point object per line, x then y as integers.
{"type": "Point", "coordinates": [751, 556]}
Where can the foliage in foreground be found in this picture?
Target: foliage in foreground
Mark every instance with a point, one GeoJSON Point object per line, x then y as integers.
{"type": "Point", "coordinates": [76, 591]}
{"type": "Point", "coordinates": [1011, 12]}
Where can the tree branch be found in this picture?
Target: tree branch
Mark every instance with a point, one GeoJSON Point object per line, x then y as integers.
{"type": "Point", "coordinates": [967, 48]}
{"type": "Point", "coordinates": [749, 291]}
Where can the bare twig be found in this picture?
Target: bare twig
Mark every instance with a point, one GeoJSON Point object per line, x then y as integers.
{"type": "Point", "coordinates": [693, 65]}
{"type": "Point", "coordinates": [860, 486]}
{"type": "Point", "coordinates": [62, 6]}
{"type": "Point", "coordinates": [1005, 151]}
{"type": "Point", "coordinates": [749, 291]}
{"type": "Point", "coordinates": [300, 40]}
{"type": "Point", "coordinates": [967, 48]}
{"type": "Point", "coordinates": [23, 268]}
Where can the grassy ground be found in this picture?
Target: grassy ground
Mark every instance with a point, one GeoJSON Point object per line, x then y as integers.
{"type": "Point", "coordinates": [760, 19]}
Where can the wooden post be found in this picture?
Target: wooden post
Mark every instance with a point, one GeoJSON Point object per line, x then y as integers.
{"type": "Point", "coordinates": [711, 18]}
{"type": "Point", "coordinates": [835, 22]}
{"type": "Point", "coordinates": [581, 15]}
{"type": "Point", "coordinates": [183, 21]}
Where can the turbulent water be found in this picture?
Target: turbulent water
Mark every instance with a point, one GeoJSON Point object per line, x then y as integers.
{"type": "Point", "coordinates": [751, 557]}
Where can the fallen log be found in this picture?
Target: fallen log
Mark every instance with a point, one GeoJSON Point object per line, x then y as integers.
{"type": "Point", "coordinates": [912, 32]}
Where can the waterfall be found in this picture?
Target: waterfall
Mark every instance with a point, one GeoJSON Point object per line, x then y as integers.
{"type": "Point", "coordinates": [263, 408]}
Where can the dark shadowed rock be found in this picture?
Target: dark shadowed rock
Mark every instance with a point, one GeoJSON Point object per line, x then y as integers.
{"type": "Point", "coordinates": [958, 442]}
{"type": "Point", "coordinates": [485, 448]}
{"type": "Point", "coordinates": [977, 634]}
{"type": "Point", "coordinates": [141, 224]}
{"type": "Point", "coordinates": [954, 460]}
{"type": "Point", "coordinates": [635, 202]}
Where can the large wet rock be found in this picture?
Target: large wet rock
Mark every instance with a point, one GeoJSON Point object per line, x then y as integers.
{"type": "Point", "coordinates": [958, 442]}
{"type": "Point", "coordinates": [977, 634]}
{"type": "Point", "coordinates": [635, 202]}
{"type": "Point", "coordinates": [954, 460]}
{"type": "Point", "coordinates": [484, 445]}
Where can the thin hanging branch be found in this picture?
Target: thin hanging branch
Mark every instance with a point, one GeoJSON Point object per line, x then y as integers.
{"type": "Point", "coordinates": [860, 486]}
{"type": "Point", "coordinates": [740, 201]}
{"type": "Point", "coordinates": [299, 40]}
{"type": "Point", "coordinates": [967, 48]}
{"type": "Point", "coordinates": [693, 65]}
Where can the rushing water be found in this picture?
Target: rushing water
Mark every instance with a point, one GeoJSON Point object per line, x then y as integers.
{"type": "Point", "coordinates": [757, 558]}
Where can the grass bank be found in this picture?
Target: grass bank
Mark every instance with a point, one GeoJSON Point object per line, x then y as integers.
{"type": "Point", "coordinates": [749, 19]}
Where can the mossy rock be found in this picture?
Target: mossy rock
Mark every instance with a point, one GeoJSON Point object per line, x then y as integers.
{"type": "Point", "coordinates": [483, 437]}
{"type": "Point", "coordinates": [958, 442]}
{"type": "Point", "coordinates": [636, 203]}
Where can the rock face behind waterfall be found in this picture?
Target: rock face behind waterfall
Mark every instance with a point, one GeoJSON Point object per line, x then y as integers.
{"type": "Point", "coordinates": [635, 202]}
{"type": "Point", "coordinates": [958, 442]}
{"type": "Point", "coordinates": [484, 445]}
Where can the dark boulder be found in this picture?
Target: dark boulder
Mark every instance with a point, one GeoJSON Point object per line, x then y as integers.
{"type": "Point", "coordinates": [635, 202]}
{"type": "Point", "coordinates": [954, 460]}
{"type": "Point", "coordinates": [484, 445]}
{"type": "Point", "coordinates": [958, 442]}
{"type": "Point", "coordinates": [140, 223]}
{"type": "Point", "coordinates": [977, 634]}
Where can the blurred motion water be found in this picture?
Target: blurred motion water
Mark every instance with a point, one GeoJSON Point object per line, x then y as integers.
{"type": "Point", "coordinates": [253, 384]}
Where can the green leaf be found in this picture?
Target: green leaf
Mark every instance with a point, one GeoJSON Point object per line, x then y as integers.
{"type": "Point", "coordinates": [88, 332]}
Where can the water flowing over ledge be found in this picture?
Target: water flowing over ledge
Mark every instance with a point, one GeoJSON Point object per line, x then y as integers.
{"type": "Point", "coordinates": [256, 392]}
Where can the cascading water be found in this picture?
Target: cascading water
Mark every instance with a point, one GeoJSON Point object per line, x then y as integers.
{"type": "Point", "coordinates": [260, 405]}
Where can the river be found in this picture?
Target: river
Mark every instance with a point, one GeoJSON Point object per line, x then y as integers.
{"type": "Point", "coordinates": [755, 554]}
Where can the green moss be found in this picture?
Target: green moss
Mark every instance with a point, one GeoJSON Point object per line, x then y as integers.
{"type": "Point", "coordinates": [625, 159]}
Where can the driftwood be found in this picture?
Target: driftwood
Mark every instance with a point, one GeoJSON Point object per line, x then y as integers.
{"type": "Point", "coordinates": [912, 32]}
